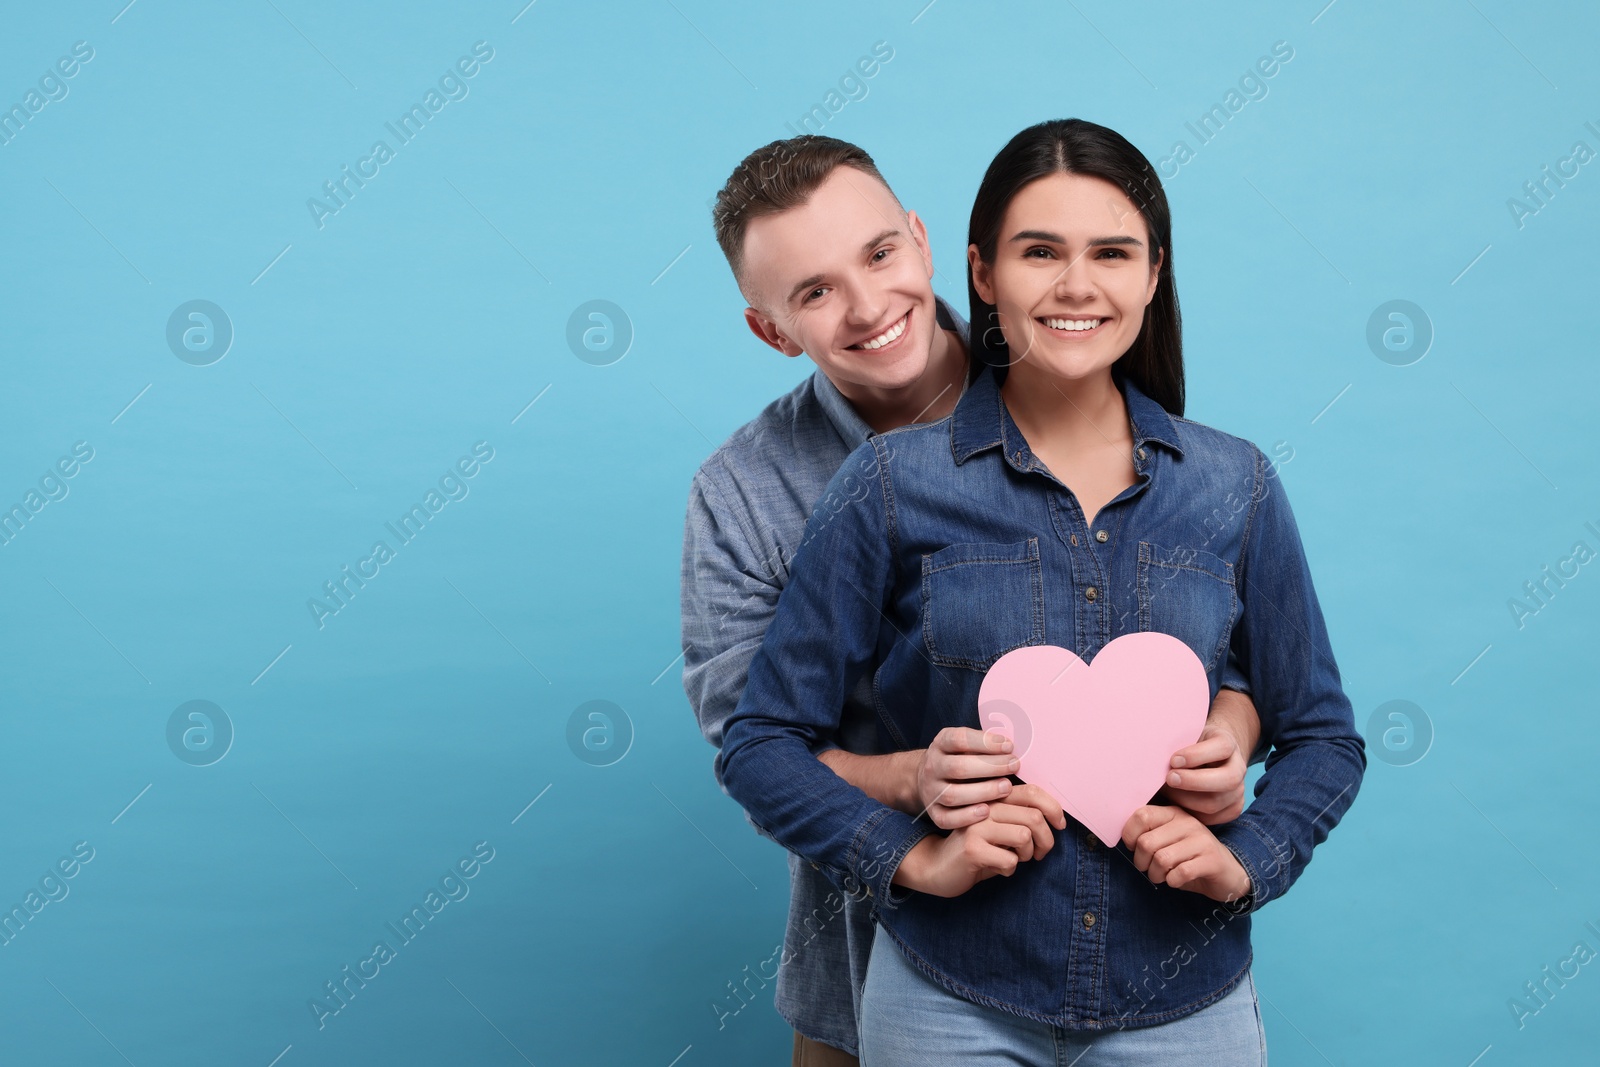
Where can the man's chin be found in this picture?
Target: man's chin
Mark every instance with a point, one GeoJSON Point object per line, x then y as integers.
{"type": "Point", "coordinates": [892, 377]}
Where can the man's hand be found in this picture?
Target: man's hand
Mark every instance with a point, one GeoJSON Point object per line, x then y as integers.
{"type": "Point", "coordinates": [1010, 834]}
{"type": "Point", "coordinates": [1174, 847]}
{"type": "Point", "coordinates": [1207, 777]}
{"type": "Point", "coordinates": [961, 773]}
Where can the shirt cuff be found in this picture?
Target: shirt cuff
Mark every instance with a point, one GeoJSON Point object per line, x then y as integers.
{"type": "Point", "coordinates": [1261, 862]}
{"type": "Point", "coordinates": [875, 855]}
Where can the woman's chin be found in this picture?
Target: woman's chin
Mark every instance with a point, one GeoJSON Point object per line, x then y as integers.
{"type": "Point", "coordinates": [1064, 367]}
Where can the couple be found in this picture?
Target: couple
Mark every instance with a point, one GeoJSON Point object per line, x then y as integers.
{"type": "Point", "coordinates": [932, 498]}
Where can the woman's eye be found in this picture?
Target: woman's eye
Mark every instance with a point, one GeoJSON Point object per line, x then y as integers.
{"type": "Point", "coordinates": [1115, 253]}
{"type": "Point", "coordinates": [1043, 253]}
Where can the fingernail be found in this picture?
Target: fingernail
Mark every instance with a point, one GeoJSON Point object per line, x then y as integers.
{"type": "Point", "coordinates": [1015, 765]}
{"type": "Point", "coordinates": [1179, 761]}
{"type": "Point", "coordinates": [1174, 778]}
{"type": "Point", "coordinates": [1005, 746]}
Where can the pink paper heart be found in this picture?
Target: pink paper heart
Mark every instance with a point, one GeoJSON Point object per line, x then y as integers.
{"type": "Point", "coordinates": [1099, 737]}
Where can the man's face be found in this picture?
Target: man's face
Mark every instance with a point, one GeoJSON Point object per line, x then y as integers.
{"type": "Point", "coordinates": [844, 278]}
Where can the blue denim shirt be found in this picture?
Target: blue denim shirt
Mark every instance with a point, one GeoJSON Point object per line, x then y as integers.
{"type": "Point", "coordinates": [954, 545]}
{"type": "Point", "coordinates": [747, 513]}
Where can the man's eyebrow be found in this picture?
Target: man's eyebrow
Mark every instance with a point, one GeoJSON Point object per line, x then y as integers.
{"type": "Point", "coordinates": [878, 239]}
{"type": "Point", "coordinates": [816, 279]}
{"type": "Point", "coordinates": [804, 284]}
{"type": "Point", "coordinates": [1093, 242]}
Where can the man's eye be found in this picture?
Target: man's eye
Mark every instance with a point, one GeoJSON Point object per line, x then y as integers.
{"type": "Point", "coordinates": [815, 293]}
{"type": "Point", "coordinates": [878, 256]}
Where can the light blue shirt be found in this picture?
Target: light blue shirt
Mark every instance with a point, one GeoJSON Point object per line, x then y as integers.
{"type": "Point", "coordinates": [748, 507]}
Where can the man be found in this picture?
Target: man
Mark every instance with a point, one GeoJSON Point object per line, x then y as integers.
{"type": "Point", "coordinates": [832, 266]}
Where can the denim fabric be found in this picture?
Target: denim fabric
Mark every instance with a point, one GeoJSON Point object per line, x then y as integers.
{"type": "Point", "coordinates": [908, 1020]}
{"type": "Point", "coordinates": [953, 545]}
{"type": "Point", "coordinates": [747, 514]}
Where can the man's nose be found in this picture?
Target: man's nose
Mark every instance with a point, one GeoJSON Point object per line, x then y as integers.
{"type": "Point", "coordinates": [866, 304]}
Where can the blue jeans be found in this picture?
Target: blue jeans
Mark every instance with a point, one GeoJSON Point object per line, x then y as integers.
{"type": "Point", "coordinates": [908, 1019]}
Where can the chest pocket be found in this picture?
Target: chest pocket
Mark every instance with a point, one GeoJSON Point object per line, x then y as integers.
{"type": "Point", "coordinates": [981, 601]}
{"type": "Point", "coordinates": [1188, 593]}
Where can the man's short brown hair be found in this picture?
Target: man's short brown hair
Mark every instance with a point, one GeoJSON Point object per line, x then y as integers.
{"type": "Point", "coordinates": [775, 178]}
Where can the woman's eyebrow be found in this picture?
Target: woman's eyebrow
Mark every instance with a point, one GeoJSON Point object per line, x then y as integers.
{"type": "Point", "coordinates": [1093, 242]}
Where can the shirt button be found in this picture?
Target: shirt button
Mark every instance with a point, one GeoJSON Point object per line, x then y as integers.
{"type": "Point", "coordinates": [815, 866]}
{"type": "Point", "coordinates": [1091, 842]}
{"type": "Point", "coordinates": [1074, 540]}
{"type": "Point", "coordinates": [1101, 536]}
{"type": "Point", "coordinates": [1088, 920]}
{"type": "Point", "coordinates": [1090, 593]}
{"type": "Point", "coordinates": [1141, 453]}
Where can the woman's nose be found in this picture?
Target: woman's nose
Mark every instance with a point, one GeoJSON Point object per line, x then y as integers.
{"type": "Point", "coordinates": [1076, 279]}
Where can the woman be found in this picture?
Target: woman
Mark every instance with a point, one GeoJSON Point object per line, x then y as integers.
{"type": "Point", "coordinates": [1065, 502]}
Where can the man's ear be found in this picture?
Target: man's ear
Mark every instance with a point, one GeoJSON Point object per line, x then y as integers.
{"type": "Point", "coordinates": [980, 275]}
{"type": "Point", "coordinates": [765, 328]}
{"type": "Point", "coordinates": [919, 237]}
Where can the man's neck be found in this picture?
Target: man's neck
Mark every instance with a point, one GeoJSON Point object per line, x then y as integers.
{"type": "Point", "coordinates": [931, 398]}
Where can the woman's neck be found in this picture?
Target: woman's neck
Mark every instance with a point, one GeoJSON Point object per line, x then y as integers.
{"type": "Point", "coordinates": [1056, 413]}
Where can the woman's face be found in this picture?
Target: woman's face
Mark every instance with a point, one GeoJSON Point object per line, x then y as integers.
{"type": "Point", "coordinates": [1071, 276]}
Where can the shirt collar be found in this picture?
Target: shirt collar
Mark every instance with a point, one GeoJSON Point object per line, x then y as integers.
{"type": "Point", "coordinates": [981, 420]}
{"type": "Point", "coordinates": [851, 426]}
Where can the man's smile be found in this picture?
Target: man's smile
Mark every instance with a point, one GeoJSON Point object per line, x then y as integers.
{"type": "Point", "coordinates": [886, 338]}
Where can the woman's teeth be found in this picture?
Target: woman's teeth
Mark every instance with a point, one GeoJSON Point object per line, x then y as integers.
{"type": "Point", "coordinates": [1072, 324]}
{"type": "Point", "coordinates": [887, 336]}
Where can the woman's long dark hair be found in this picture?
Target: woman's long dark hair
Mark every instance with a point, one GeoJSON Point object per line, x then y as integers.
{"type": "Point", "coordinates": [1073, 146]}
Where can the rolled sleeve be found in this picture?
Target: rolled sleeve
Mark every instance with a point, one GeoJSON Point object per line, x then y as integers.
{"type": "Point", "coordinates": [728, 596]}
{"type": "Point", "coordinates": [823, 635]}
{"type": "Point", "coordinates": [1317, 757]}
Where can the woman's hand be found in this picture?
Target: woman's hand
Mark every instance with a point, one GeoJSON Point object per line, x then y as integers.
{"type": "Point", "coordinates": [1010, 834]}
{"type": "Point", "coordinates": [1171, 846]}
{"type": "Point", "coordinates": [961, 773]}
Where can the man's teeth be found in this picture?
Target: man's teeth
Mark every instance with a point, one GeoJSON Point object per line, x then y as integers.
{"type": "Point", "coordinates": [891, 334]}
{"type": "Point", "coordinates": [1072, 324]}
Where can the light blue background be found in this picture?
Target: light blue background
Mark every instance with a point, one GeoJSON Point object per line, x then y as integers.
{"type": "Point", "coordinates": [426, 314]}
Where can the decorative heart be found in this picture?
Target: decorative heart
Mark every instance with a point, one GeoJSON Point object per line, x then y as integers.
{"type": "Point", "coordinates": [1099, 737]}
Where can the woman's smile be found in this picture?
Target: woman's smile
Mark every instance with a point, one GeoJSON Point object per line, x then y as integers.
{"type": "Point", "coordinates": [1075, 328]}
